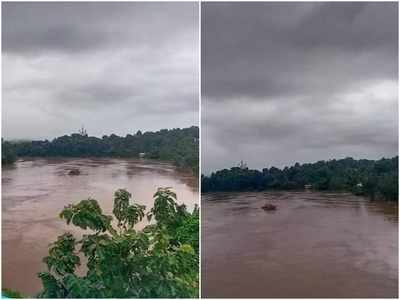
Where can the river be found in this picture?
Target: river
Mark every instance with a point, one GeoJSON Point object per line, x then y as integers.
{"type": "Point", "coordinates": [34, 191]}
{"type": "Point", "coordinates": [314, 245]}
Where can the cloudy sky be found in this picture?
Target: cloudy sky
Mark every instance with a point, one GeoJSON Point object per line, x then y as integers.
{"type": "Point", "coordinates": [288, 82]}
{"type": "Point", "coordinates": [112, 67]}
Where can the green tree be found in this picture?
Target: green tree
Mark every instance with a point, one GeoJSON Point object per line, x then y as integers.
{"type": "Point", "coordinates": [180, 146]}
{"type": "Point", "coordinates": [160, 261]}
{"type": "Point", "coordinates": [376, 179]}
{"type": "Point", "coordinates": [8, 154]}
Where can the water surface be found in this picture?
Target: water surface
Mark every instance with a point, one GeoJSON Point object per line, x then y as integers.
{"type": "Point", "coordinates": [35, 191]}
{"type": "Point", "coordinates": [314, 245]}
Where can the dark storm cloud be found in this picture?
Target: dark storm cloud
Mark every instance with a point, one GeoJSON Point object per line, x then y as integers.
{"type": "Point", "coordinates": [76, 27]}
{"type": "Point", "coordinates": [286, 82]}
{"type": "Point", "coordinates": [114, 67]}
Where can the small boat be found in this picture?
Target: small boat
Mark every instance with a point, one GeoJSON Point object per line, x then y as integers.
{"type": "Point", "coordinates": [268, 206]}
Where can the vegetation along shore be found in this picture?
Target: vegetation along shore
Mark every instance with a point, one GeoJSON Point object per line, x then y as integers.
{"type": "Point", "coordinates": [177, 145]}
{"type": "Point", "coordinates": [376, 179]}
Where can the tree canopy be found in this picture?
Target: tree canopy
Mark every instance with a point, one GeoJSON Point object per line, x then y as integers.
{"type": "Point", "coordinates": [177, 145]}
{"type": "Point", "coordinates": [160, 261]}
{"type": "Point", "coordinates": [377, 179]}
{"type": "Point", "coordinates": [8, 154]}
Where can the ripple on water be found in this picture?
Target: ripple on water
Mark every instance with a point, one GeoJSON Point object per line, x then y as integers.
{"type": "Point", "coordinates": [314, 245]}
{"type": "Point", "coordinates": [35, 191]}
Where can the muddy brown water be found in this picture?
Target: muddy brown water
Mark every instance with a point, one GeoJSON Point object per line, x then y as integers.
{"type": "Point", "coordinates": [35, 191]}
{"type": "Point", "coordinates": [314, 245]}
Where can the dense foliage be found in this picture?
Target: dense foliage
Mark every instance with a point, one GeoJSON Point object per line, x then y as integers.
{"type": "Point", "coordinates": [376, 179]}
{"type": "Point", "coordinates": [177, 145]}
{"type": "Point", "coordinates": [8, 154]}
{"type": "Point", "coordinates": [161, 260]}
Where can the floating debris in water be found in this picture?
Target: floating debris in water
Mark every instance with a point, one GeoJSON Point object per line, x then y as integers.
{"type": "Point", "coordinates": [268, 206]}
{"type": "Point", "coordinates": [74, 172]}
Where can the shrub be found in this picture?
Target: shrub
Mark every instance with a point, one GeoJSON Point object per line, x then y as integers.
{"type": "Point", "coordinates": [160, 261]}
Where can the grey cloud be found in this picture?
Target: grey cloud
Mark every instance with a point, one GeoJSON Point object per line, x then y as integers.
{"type": "Point", "coordinates": [70, 27]}
{"type": "Point", "coordinates": [263, 48]}
{"type": "Point", "coordinates": [113, 66]}
{"type": "Point", "coordinates": [293, 81]}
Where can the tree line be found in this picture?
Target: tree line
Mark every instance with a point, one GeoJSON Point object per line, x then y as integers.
{"type": "Point", "coordinates": [177, 145]}
{"type": "Point", "coordinates": [377, 179]}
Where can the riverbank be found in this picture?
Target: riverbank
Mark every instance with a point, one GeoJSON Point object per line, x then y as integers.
{"type": "Point", "coordinates": [376, 179]}
{"type": "Point", "coordinates": [180, 145]}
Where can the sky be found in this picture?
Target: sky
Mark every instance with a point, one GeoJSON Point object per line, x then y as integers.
{"type": "Point", "coordinates": [298, 82]}
{"type": "Point", "coordinates": [111, 67]}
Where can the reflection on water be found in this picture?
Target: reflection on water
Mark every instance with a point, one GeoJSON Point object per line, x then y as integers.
{"type": "Point", "coordinates": [314, 245]}
{"type": "Point", "coordinates": [35, 191]}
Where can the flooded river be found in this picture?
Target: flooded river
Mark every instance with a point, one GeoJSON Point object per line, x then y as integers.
{"type": "Point", "coordinates": [35, 191]}
{"type": "Point", "coordinates": [314, 245]}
